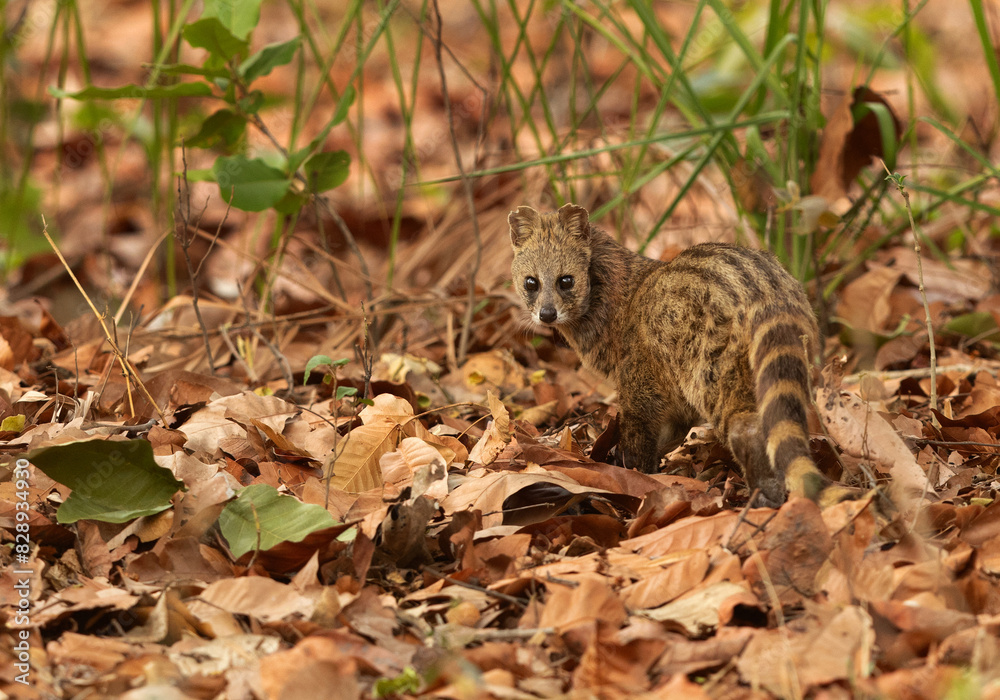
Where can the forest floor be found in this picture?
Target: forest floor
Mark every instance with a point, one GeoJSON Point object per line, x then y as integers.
{"type": "Point", "coordinates": [190, 508]}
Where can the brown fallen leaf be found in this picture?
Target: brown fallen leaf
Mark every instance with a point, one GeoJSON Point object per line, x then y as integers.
{"type": "Point", "coordinates": [194, 656]}
{"type": "Point", "coordinates": [795, 548]}
{"type": "Point", "coordinates": [404, 533]}
{"type": "Point", "coordinates": [675, 579]}
{"type": "Point", "coordinates": [87, 650]}
{"type": "Point", "coordinates": [495, 370]}
{"type": "Point", "coordinates": [533, 495]}
{"type": "Point", "coordinates": [414, 456]}
{"type": "Point", "coordinates": [954, 281]}
{"type": "Point", "coordinates": [726, 527]}
{"type": "Point", "coordinates": [685, 656]}
{"type": "Point", "coordinates": [496, 436]}
{"type": "Point", "coordinates": [612, 668]}
{"type": "Point", "coordinates": [864, 302]}
{"type": "Point", "coordinates": [315, 668]}
{"type": "Point", "coordinates": [207, 427]}
{"type": "Point", "coordinates": [810, 652]}
{"type": "Point", "coordinates": [262, 598]}
{"type": "Point", "coordinates": [863, 433]}
{"type": "Point", "coordinates": [354, 465]}
{"type": "Point", "coordinates": [579, 610]}
{"type": "Point", "coordinates": [701, 612]}
{"type": "Point", "coordinates": [848, 145]}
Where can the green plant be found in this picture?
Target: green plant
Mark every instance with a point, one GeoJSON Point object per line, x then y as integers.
{"type": "Point", "coordinates": [283, 183]}
{"type": "Point", "coordinates": [331, 378]}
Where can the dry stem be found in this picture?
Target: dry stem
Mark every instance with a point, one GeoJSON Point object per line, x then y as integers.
{"type": "Point", "coordinates": [920, 279]}
{"type": "Point", "coordinates": [463, 342]}
{"type": "Point", "coordinates": [126, 366]}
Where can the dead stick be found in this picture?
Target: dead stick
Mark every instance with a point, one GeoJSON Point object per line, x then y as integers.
{"type": "Point", "coordinates": [463, 342]}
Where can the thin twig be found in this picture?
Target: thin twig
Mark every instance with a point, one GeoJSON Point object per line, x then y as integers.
{"type": "Point", "coordinates": [471, 586]}
{"type": "Point", "coordinates": [130, 429]}
{"type": "Point", "coordinates": [279, 358]}
{"type": "Point", "coordinates": [128, 370]}
{"type": "Point", "coordinates": [919, 372]}
{"type": "Point", "coordinates": [898, 181]}
{"type": "Point", "coordinates": [463, 342]}
{"type": "Point", "coordinates": [185, 239]}
{"type": "Point", "coordinates": [956, 443]}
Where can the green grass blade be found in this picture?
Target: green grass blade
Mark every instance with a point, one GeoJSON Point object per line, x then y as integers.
{"type": "Point", "coordinates": [989, 51]}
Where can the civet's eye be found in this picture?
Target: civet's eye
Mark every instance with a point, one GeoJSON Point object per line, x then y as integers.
{"type": "Point", "coordinates": [566, 282]}
{"type": "Point", "coordinates": [530, 284]}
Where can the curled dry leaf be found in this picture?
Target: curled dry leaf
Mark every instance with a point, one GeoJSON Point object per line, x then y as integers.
{"type": "Point", "coordinates": [954, 281]}
{"type": "Point", "coordinates": [550, 493]}
{"type": "Point", "coordinates": [863, 433]}
{"type": "Point", "coordinates": [195, 657]}
{"type": "Point", "coordinates": [847, 145]}
{"type": "Point", "coordinates": [701, 612]}
{"type": "Point", "coordinates": [864, 303]}
{"type": "Point", "coordinates": [207, 427]}
{"type": "Point", "coordinates": [387, 408]}
{"type": "Point", "coordinates": [420, 463]}
{"type": "Point", "coordinates": [497, 434]}
{"type": "Point", "coordinates": [494, 370]}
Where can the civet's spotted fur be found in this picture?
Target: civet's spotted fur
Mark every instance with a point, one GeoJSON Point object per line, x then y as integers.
{"type": "Point", "coordinates": [714, 334]}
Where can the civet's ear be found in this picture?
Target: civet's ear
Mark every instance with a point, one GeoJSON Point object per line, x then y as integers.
{"type": "Point", "coordinates": [523, 223]}
{"type": "Point", "coordinates": [575, 219]}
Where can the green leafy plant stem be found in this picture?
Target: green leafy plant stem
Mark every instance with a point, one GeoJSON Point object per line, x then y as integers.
{"type": "Point", "coordinates": [986, 39]}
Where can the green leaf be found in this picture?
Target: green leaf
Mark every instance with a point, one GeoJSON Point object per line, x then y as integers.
{"type": "Point", "coordinates": [251, 102]}
{"type": "Point", "coordinates": [346, 100]}
{"type": "Point", "coordinates": [211, 34]}
{"type": "Point", "coordinates": [19, 217]}
{"type": "Point", "coordinates": [269, 58]}
{"type": "Point", "coordinates": [292, 203]}
{"type": "Point", "coordinates": [314, 362]}
{"type": "Point", "coordinates": [277, 518]}
{"type": "Point", "coordinates": [343, 391]}
{"type": "Point", "coordinates": [977, 324]}
{"type": "Point", "coordinates": [200, 175]}
{"type": "Point", "coordinates": [239, 17]}
{"type": "Point", "coordinates": [317, 360]}
{"type": "Point", "coordinates": [324, 171]}
{"type": "Point", "coordinates": [224, 129]}
{"type": "Point", "coordinates": [408, 682]}
{"type": "Point", "coordinates": [12, 424]}
{"type": "Point", "coordinates": [252, 184]}
{"type": "Point", "coordinates": [186, 69]}
{"type": "Point", "coordinates": [113, 481]}
{"type": "Point", "coordinates": [135, 92]}
{"type": "Point", "coordinates": [296, 159]}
